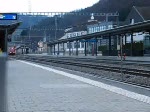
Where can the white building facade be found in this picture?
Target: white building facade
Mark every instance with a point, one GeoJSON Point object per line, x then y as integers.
{"type": "Point", "coordinates": [71, 47]}
{"type": "Point", "coordinates": [102, 41]}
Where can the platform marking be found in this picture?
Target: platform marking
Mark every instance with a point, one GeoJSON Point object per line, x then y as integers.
{"type": "Point", "coordinates": [133, 95]}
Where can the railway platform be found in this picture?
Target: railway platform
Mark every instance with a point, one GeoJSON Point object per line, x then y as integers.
{"type": "Point", "coordinates": [40, 88]}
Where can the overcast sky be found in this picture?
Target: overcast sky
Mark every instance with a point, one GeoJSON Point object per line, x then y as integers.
{"type": "Point", "coordinates": [44, 5]}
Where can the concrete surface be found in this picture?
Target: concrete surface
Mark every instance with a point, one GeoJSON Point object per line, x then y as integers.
{"type": "Point", "coordinates": [33, 89]}
{"type": "Point", "coordinates": [3, 85]}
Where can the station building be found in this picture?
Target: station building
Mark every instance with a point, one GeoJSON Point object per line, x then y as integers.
{"type": "Point", "coordinates": [89, 27]}
{"type": "Point", "coordinates": [74, 31]}
{"type": "Point", "coordinates": [102, 41]}
{"type": "Point", "coordinates": [139, 14]}
{"type": "Point", "coordinates": [134, 44]}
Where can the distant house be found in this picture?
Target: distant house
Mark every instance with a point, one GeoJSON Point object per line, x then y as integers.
{"type": "Point", "coordinates": [140, 14]}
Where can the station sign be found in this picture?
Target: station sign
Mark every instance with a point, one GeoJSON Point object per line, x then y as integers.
{"type": "Point", "coordinates": [92, 40]}
{"type": "Point", "coordinates": [8, 16]}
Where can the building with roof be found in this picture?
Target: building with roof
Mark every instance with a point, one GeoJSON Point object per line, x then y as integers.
{"type": "Point", "coordinates": [75, 31]}
{"type": "Point", "coordinates": [139, 14]}
{"type": "Point", "coordinates": [98, 27]}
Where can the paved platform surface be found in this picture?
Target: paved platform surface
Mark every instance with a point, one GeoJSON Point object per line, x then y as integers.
{"type": "Point", "coordinates": [33, 89]}
{"type": "Point", "coordinates": [144, 58]}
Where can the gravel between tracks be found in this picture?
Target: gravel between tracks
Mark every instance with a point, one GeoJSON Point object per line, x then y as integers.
{"type": "Point", "coordinates": [115, 65]}
{"type": "Point", "coordinates": [139, 80]}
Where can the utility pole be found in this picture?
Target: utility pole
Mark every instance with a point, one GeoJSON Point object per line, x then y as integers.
{"type": "Point", "coordinates": [55, 27]}
{"type": "Point", "coordinates": [29, 6]}
{"type": "Point", "coordinates": [44, 37]}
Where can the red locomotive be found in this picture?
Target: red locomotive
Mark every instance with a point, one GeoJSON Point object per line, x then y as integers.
{"type": "Point", "coordinates": [12, 50]}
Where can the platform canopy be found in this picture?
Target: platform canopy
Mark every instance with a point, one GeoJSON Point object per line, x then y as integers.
{"type": "Point", "coordinates": [121, 30]}
{"type": "Point", "coordinates": [10, 28]}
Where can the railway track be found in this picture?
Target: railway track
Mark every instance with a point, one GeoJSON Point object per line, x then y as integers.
{"type": "Point", "coordinates": [131, 76]}
{"type": "Point", "coordinates": [106, 61]}
{"type": "Point", "coordinates": [92, 65]}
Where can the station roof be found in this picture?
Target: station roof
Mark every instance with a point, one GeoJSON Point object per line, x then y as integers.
{"type": "Point", "coordinates": [137, 27]}
{"type": "Point", "coordinates": [144, 12]}
{"type": "Point", "coordinates": [10, 27]}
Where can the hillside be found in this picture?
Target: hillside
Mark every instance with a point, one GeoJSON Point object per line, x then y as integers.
{"type": "Point", "coordinates": [123, 7]}
{"type": "Point", "coordinates": [28, 20]}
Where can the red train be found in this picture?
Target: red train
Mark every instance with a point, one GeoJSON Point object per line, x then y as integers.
{"type": "Point", "coordinates": [12, 50]}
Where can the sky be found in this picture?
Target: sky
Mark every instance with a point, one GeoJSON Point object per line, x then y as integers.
{"type": "Point", "coordinates": [44, 5]}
